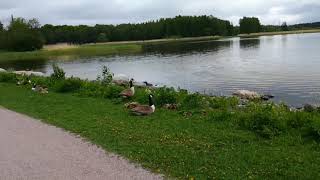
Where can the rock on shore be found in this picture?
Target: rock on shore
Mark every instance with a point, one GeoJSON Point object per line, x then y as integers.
{"type": "Point", "coordinates": [29, 73]}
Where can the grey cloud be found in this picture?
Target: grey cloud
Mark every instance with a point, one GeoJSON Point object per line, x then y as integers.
{"type": "Point", "coordinates": [124, 11]}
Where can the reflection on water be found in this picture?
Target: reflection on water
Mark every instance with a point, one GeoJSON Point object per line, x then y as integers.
{"type": "Point", "coordinates": [285, 66]}
{"type": "Point", "coordinates": [35, 64]}
{"type": "Point", "coordinates": [186, 48]}
{"type": "Point", "coordinates": [249, 43]}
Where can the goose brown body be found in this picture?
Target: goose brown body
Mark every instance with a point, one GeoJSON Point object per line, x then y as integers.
{"type": "Point", "coordinates": [128, 92]}
{"type": "Point", "coordinates": [144, 110]}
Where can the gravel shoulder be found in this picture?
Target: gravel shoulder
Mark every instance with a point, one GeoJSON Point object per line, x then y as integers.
{"type": "Point", "coordinates": [30, 149]}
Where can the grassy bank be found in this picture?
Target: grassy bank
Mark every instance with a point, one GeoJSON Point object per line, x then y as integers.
{"type": "Point", "coordinates": [279, 33]}
{"type": "Point", "coordinates": [74, 51]}
{"type": "Point", "coordinates": [98, 49]}
{"type": "Point", "coordinates": [205, 138]}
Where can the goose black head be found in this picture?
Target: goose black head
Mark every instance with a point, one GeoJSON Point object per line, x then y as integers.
{"type": "Point", "coordinates": [151, 102]}
{"type": "Point", "coordinates": [147, 84]}
{"type": "Point", "coordinates": [131, 82]}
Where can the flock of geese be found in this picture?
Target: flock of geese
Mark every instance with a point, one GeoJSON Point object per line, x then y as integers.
{"type": "Point", "coordinates": [137, 109]}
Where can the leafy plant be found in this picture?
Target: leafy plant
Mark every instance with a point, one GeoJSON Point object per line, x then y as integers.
{"type": "Point", "coordinates": [68, 85]}
{"type": "Point", "coordinates": [194, 102]}
{"type": "Point", "coordinates": [106, 77]}
{"type": "Point", "coordinates": [7, 77]}
{"type": "Point", "coordinates": [264, 120]}
{"type": "Point", "coordinates": [165, 95]}
{"type": "Point", "coordinates": [58, 72]}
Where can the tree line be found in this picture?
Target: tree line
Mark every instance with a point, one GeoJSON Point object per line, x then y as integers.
{"type": "Point", "coordinates": [27, 35]}
{"type": "Point", "coordinates": [21, 35]}
{"type": "Point", "coordinates": [180, 26]}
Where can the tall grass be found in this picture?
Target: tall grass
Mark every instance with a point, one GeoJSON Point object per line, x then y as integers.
{"type": "Point", "coordinates": [78, 51]}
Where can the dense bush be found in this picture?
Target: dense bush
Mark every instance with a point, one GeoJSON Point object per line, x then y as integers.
{"type": "Point", "coordinates": [22, 35]}
{"type": "Point", "coordinates": [165, 95]}
{"type": "Point", "coordinates": [7, 77]}
{"type": "Point", "coordinates": [194, 102]}
{"type": "Point", "coordinates": [315, 127]}
{"type": "Point", "coordinates": [68, 85]}
{"type": "Point", "coordinates": [266, 120]}
{"type": "Point", "coordinates": [223, 102]}
{"type": "Point", "coordinates": [95, 89]}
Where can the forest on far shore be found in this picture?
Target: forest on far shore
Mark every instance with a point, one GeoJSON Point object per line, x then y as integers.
{"type": "Point", "coordinates": [28, 35]}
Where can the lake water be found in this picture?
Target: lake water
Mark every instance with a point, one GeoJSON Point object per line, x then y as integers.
{"type": "Point", "coordinates": [286, 66]}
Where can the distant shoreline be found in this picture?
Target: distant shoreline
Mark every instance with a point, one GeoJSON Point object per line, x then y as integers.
{"type": "Point", "coordinates": [119, 47]}
{"type": "Point", "coordinates": [279, 33]}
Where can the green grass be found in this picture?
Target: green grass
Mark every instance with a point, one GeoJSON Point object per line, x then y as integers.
{"type": "Point", "coordinates": [167, 142]}
{"type": "Point", "coordinates": [84, 50]}
{"type": "Point", "coordinates": [99, 49]}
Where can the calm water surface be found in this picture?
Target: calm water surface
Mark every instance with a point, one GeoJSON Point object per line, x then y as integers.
{"type": "Point", "coordinates": [286, 66]}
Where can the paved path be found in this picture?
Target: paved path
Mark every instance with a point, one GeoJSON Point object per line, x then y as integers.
{"type": "Point", "coordinates": [30, 149]}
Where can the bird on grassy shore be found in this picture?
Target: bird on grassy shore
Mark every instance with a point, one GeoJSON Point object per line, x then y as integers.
{"type": "Point", "coordinates": [39, 89]}
{"type": "Point", "coordinates": [147, 84]}
{"type": "Point", "coordinates": [128, 92]}
{"type": "Point", "coordinates": [144, 110]}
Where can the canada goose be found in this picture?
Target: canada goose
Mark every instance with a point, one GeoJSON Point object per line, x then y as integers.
{"type": "Point", "coordinates": [144, 110]}
{"type": "Point", "coordinates": [128, 92]}
{"type": "Point", "coordinates": [147, 84]}
{"type": "Point", "coordinates": [37, 88]}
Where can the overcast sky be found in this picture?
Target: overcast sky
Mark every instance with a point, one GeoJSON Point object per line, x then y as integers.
{"type": "Point", "coordinates": [123, 11]}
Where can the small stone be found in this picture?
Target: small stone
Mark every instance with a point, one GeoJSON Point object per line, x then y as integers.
{"type": "Point", "coordinates": [245, 94]}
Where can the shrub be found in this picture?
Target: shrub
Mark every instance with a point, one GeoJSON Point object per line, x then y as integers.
{"type": "Point", "coordinates": [264, 120]}
{"type": "Point", "coordinates": [58, 72]}
{"type": "Point", "coordinates": [141, 96]}
{"type": "Point", "coordinates": [68, 85]}
{"type": "Point", "coordinates": [106, 77]}
{"type": "Point", "coordinates": [223, 102]}
{"type": "Point", "coordinates": [165, 95]}
{"type": "Point", "coordinates": [7, 77]}
{"type": "Point", "coordinates": [92, 89]}
{"type": "Point", "coordinates": [95, 89]}
{"type": "Point", "coordinates": [315, 128]}
{"type": "Point", "coordinates": [193, 102]}
{"type": "Point", "coordinates": [112, 91]}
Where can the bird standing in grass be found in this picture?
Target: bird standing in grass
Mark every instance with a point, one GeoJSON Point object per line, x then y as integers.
{"type": "Point", "coordinates": [144, 110]}
{"type": "Point", "coordinates": [128, 92]}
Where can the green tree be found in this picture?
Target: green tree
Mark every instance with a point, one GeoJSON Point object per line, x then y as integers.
{"type": "Point", "coordinates": [2, 36]}
{"type": "Point", "coordinates": [24, 35]}
{"type": "Point", "coordinates": [102, 37]}
{"type": "Point", "coordinates": [1, 26]}
{"type": "Point", "coordinates": [284, 26]}
{"type": "Point", "coordinates": [249, 25]}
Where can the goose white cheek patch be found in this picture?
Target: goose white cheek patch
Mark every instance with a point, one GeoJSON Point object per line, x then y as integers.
{"type": "Point", "coordinates": [153, 108]}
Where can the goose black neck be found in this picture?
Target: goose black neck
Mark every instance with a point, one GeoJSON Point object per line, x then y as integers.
{"type": "Point", "coordinates": [131, 84]}
{"type": "Point", "coordinates": [151, 103]}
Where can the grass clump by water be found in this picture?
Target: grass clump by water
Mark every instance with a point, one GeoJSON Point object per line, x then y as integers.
{"type": "Point", "coordinates": [217, 138]}
{"type": "Point", "coordinates": [77, 51]}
